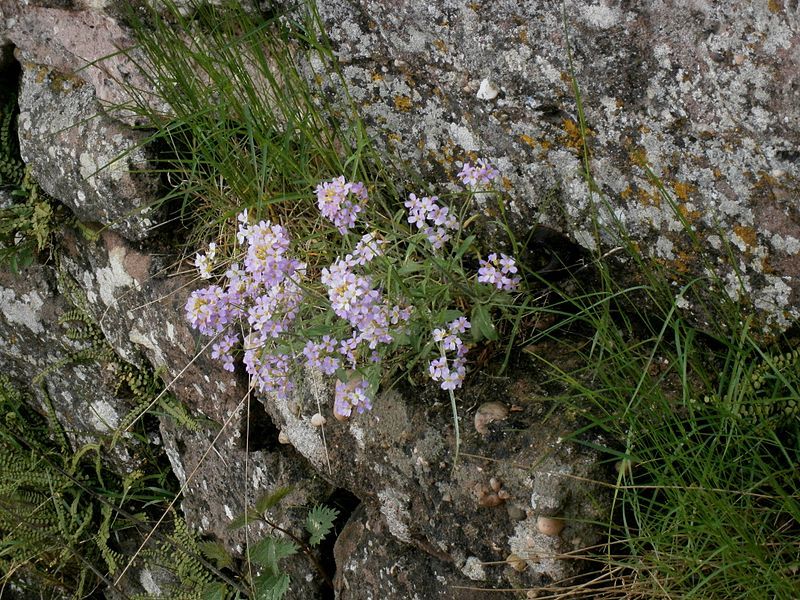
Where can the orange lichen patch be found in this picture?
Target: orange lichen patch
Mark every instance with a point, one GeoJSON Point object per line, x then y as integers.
{"type": "Point", "coordinates": [688, 215]}
{"type": "Point", "coordinates": [717, 173]}
{"type": "Point", "coordinates": [573, 138]}
{"type": "Point", "coordinates": [507, 186]}
{"type": "Point", "coordinates": [644, 129]}
{"type": "Point", "coordinates": [648, 198]}
{"type": "Point", "coordinates": [746, 234]}
{"type": "Point", "coordinates": [377, 77]}
{"type": "Point", "coordinates": [523, 36]}
{"type": "Point", "coordinates": [626, 193]}
{"type": "Point", "coordinates": [402, 103]}
{"type": "Point", "coordinates": [395, 138]}
{"type": "Point", "coordinates": [528, 140]}
{"type": "Point", "coordinates": [638, 157]}
{"type": "Point", "coordinates": [440, 46]}
{"type": "Point", "coordinates": [775, 6]}
{"type": "Point", "coordinates": [682, 190]}
{"type": "Point", "coordinates": [681, 263]}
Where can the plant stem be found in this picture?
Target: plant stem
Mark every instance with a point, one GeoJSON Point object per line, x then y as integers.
{"type": "Point", "coordinates": [305, 548]}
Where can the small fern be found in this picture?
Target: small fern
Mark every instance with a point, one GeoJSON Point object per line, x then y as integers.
{"type": "Point", "coordinates": [11, 166]}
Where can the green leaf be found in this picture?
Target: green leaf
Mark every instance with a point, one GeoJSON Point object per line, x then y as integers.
{"type": "Point", "coordinates": [216, 552]}
{"type": "Point", "coordinates": [318, 331]}
{"type": "Point", "coordinates": [462, 249]}
{"type": "Point", "coordinates": [214, 591]}
{"type": "Point", "coordinates": [482, 327]}
{"type": "Point", "coordinates": [268, 551]}
{"type": "Point", "coordinates": [271, 587]}
{"type": "Point", "coordinates": [270, 500]}
{"type": "Point", "coordinates": [410, 267]}
{"type": "Point", "coordinates": [319, 523]}
{"type": "Point", "coordinates": [450, 314]}
{"type": "Point", "coordinates": [244, 519]}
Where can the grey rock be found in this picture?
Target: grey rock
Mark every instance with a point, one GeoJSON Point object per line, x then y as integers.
{"type": "Point", "coordinates": [371, 563]}
{"type": "Point", "coordinates": [86, 43]}
{"type": "Point", "coordinates": [691, 91]}
{"type": "Point", "coordinates": [398, 459]}
{"type": "Point", "coordinates": [37, 355]}
{"type": "Point", "coordinates": [82, 157]}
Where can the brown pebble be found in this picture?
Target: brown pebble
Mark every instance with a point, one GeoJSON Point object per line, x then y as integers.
{"type": "Point", "coordinates": [489, 412]}
{"type": "Point", "coordinates": [549, 525]}
{"type": "Point", "coordinates": [490, 501]}
{"type": "Point", "coordinates": [516, 563]}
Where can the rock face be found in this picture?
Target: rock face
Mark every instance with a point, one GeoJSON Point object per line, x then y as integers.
{"type": "Point", "coordinates": [82, 156]}
{"type": "Point", "coordinates": [702, 97]}
{"type": "Point", "coordinates": [399, 459]}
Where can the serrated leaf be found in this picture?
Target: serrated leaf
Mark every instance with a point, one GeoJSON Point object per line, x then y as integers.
{"type": "Point", "coordinates": [319, 522]}
{"type": "Point", "coordinates": [269, 550]}
{"type": "Point", "coordinates": [214, 591]}
{"type": "Point", "coordinates": [271, 587]}
{"type": "Point", "coordinates": [482, 327]}
{"type": "Point", "coordinates": [244, 519]}
{"type": "Point", "coordinates": [270, 500]}
{"type": "Point", "coordinates": [216, 552]}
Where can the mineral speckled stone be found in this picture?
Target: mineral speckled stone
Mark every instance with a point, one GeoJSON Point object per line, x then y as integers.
{"type": "Point", "coordinates": [81, 156]}
{"type": "Point", "coordinates": [704, 96]}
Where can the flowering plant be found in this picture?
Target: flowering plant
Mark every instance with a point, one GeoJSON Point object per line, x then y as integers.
{"type": "Point", "coordinates": [390, 293]}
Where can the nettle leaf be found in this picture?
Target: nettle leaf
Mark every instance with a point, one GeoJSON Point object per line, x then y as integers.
{"type": "Point", "coordinates": [319, 522]}
{"type": "Point", "coordinates": [270, 500]}
{"type": "Point", "coordinates": [268, 551]}
{"type": "Point", "coordinates": [214, 591]}
{"type": "Point", "coordinates": [215, 551]}
{"type": "Point", "coordinates": [271, 587]}
{"type": "Point", "coordinates": [482, 326]}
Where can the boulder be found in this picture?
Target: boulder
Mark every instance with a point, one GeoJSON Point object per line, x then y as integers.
{"type": "Point", "coordinates": [80, 156]}
{"type": "Point", "coordinates": [696, 101]}
{"type": "Point", "coordinates": [471, 514]}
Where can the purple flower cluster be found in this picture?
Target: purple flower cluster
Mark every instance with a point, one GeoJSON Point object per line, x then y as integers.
{"type": "Point", "coordinates": [350, 395]}
{"type": "Point", "coordinates": [432, 219]}
{"type": "Point", "coordinates": [340, 201]}
{"type": "Point", "coordinates": [266, 292]}
{"type": "Point", "coordinates": [354, 298]}
{"type": "Point", "coordinates": [481, 174]}
{"type": "Point", "coordinates": [499, 272]}
{"type": "Point", "coordinates": [450, 375]}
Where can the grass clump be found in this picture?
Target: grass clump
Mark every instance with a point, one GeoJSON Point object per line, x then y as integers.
{"type": "Point", "coordinates": [703, 423]}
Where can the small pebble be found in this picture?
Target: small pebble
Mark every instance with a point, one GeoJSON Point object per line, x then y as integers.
{"type": "Point", "coordinates": [489, 412]}
{"type": "Point", "coordinates": [549, 525]}
{"type": "Point", "coordinates": [516, 563]}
